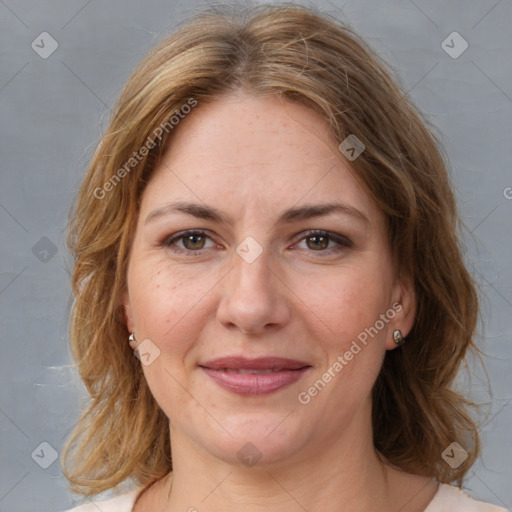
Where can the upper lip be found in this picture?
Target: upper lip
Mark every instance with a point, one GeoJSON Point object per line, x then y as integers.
{"type": "Point", "coordinates": [260, 363]}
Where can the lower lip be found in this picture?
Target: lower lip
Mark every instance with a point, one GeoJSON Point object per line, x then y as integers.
{"type": "Point", "coordinates": [255, 384]}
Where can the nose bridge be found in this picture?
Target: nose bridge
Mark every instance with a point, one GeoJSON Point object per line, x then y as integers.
{"type": "Point", "coordinates": [252, 298]}
{"type": "Point", "coordinates": [251, 262]}
{"type": "Point", "coordinates": [252, 278]}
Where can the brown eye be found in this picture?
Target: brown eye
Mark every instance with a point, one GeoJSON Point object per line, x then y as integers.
{"type": "Point", "coordinates": [324, 243]}
{"type": "Point", "coordinates": [189, 242]}
{"type": "Point", "coordinates": [317, 242]}
{"type": "Point", "coordinates": [194, 242]}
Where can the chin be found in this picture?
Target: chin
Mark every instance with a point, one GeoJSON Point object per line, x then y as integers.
{"type": "Point", "coordinates": [258, 441]}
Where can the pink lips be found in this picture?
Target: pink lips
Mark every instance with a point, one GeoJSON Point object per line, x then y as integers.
{"type": "Point", "coordinates": [254, 376]}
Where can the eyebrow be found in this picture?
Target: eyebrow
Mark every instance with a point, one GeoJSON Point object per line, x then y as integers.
{"type": "Point", "coordinates": [293, 214]}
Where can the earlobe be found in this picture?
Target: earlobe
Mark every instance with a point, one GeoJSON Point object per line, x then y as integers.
{"type": "Point", "coordinates": [402, 323]}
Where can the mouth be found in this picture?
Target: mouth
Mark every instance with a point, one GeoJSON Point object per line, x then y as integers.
{"type": "Point", "coordinates": [260, 376]}
{"type": "Point", "coordinates": [244, 371]}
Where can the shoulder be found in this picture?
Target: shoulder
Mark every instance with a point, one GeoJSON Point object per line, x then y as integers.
{"type": "Point", "coordinates": [452, 499]}
{"type": "Point", "coordinates": [122, 503]}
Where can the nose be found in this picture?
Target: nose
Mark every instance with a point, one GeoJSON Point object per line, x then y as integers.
{"type": "Point", "coordinates": [254, 297]}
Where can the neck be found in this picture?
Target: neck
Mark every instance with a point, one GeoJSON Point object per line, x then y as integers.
{"type": "Point", "coordinates": [345, 475]}
{"type": "Point", "coordinates": [325, 485]}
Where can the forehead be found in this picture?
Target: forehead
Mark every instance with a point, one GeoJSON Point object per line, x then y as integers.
{"type": "Point", "coordinates": [242, 150]}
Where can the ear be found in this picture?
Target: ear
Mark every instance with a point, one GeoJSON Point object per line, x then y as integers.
{"type": "Point", "coordinates": [125, 305]}
{"type": "Point", "coordinates": [404, 305]}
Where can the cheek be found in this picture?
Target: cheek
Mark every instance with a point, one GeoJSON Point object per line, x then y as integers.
{"type": "Point", "coordinates": [345, 302]}
{"type": "Point", "coordinates": [348, 303]}
{"type": "Point", "coordinates": [167, 300]}
{"type": "Point", "coordinates": [170, 310]}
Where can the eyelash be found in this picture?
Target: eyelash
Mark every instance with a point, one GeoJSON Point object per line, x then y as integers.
{"type": "Point", "coordinates": [342, 241]}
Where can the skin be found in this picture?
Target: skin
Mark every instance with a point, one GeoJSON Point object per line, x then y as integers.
{"type": "Point", "coordinates": [304, 297]}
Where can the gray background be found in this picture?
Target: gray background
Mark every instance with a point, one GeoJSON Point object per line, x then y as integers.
{"type": "Point", "coordinates": [52, 112]}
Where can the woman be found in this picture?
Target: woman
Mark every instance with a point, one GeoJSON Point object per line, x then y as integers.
{"type": "Point", "coordinates": [265, 223]}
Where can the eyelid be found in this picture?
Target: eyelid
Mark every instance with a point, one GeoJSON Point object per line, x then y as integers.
{"type": "Point", "coordinates": [342, 241]}
{"type": "Point", "coordinates": [170, 241]}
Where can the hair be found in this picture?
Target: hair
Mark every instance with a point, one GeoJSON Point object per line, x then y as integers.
{"type": "Point", "coordinates": [298, 54]}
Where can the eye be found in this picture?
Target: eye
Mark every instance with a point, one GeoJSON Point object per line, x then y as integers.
{"type": "Point", "coordinates": [324, 241]}
{"type": "Point", "coordinates": [189, 241]}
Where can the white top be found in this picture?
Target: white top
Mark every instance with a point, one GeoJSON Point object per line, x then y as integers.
{"type": "Point", "coordinates": [446, 499]}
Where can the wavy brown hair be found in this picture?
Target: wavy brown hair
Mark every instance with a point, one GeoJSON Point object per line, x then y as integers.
{"type": "Point", "coordinates": [305, 57]}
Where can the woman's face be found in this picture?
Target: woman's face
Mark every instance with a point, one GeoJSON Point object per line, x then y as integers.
{"type": "Point", "coordinates": [255, 244]}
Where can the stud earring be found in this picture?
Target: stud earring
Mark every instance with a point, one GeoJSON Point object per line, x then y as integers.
{"type": "Point", "coordinates": [132, 341]}
{"type": "Point", "coordinates": [398, 337]}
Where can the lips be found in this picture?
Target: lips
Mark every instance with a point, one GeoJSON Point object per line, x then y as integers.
{"type": "Point", "coordinates": [261, 363]}
{"type": "Point", "coordinates": [254, 376]}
